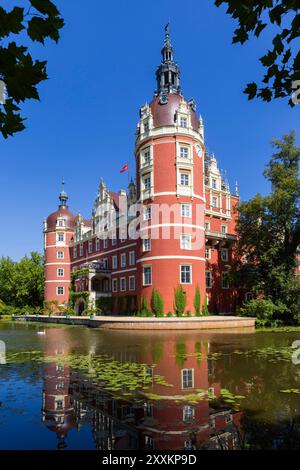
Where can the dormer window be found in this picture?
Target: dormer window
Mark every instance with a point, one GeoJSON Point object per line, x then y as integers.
{"type": "Point", "coordinates": [183, 121]}
{"type": "Point", "coordinates": [146, 126]}
{"type": "Point", "coordinates": [61, 222]}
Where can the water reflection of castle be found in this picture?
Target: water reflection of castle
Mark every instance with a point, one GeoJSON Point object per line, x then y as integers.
{"type": "Point", "coordinates": [70, 401]}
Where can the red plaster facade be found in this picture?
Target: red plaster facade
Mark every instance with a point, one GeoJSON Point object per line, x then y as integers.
{"type": "Point", "coordinates": [180, 205]}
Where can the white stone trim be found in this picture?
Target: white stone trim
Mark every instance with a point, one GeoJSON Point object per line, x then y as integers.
{"type": "Point", "coordinates": [123, 271]}
{"type": "Point", "coordinates": [81, 260]}
{"type": "Point", "coordinates": [198, 227]}
{"type": "Point", "coordinates": [150, 258]}
{"type": "Point", "coordinates": [60, 280]}
{"type": "Point", "coordinates": [55, 264]}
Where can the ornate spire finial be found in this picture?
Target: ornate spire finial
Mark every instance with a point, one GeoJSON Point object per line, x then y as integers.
{"type": "Point", "coordinates": [236, 189]}
{"type": "Point", "coordinates": [63, 197]}
{"type": "Point", "coordinates": [168, 73]}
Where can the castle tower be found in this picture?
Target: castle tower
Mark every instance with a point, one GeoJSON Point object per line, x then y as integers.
{"type": "Point", "coordinates": [58, 231]}
{"type": "Point", "coordinates": [169, 152]}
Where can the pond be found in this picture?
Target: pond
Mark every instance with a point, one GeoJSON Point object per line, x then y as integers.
{"type": "Point", "coordinates": [66, 387]}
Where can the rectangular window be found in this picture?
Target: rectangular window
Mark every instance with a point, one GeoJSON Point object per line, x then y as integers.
{"type": "Point", "coordinates": [207, 226]}
{"type": "Point", "coordinates": [184, 179]}
{"type": "Point", "coordinates": [185, 242]}
{"type": "Point", "coordinates": [147, 156]}
{"type": "Point", "coordinates": [207, 253]}
{"type": "Point", "coordinates": [60, 272]}
{"type": "Point", "coordinates": [123, 260]}
{"type": "Point", "coordinates": [188, 413]}
{"type": "Point", "coordinates": [214, 201]}
{"type": "Point", "coordinates": [225, 280]}
{"type": "Point", "coordinates": [148, 409]}
{"type": "Point", "coordinates": [186, 274]}
{"type": "Point", "coordinates": [183, 121]}
{"type": "Point", "coordinates": [61, 223]}
{"type": "Point", "coordinates": [97, 244]}
{"type": "Point", "coordinates": [185, 210]}
{"type": "Point", "coordinates": [114, 262]}
{"type": "Point", "coordinates": [60, 237]}
{"type": "Point", "coordinates": [146, 126]}
{"type": "Point", "coordinates": [147, 183]}
{"type": "Point", "coordinates": [123, 284]}
{"type": "Point", "coordinates": [224, 229]}
{"type": "Point", "coordinates": [81, 250]}
{"type": "Point", "coordinates": [184, 152]}
{"type": "Point", "coordinates": [131, 282]}
{"type": "Point", "coordinates": [90, 246]}
{"type": "Point", "coordinates": [214, 183]}
{"type": "Point", "coordinates": [187, 378]}
{"type": "Point", "coordinates": [149, 443]}
{"type": "Point", "coordinates": [147, 276]}
{"type": "Point", "coordinates": [60, 254]}
{"type": "Point", "coordinates": [131, 258]}
{"type": "Point", "coordinates": [113, 241]}
{"type": "Point", "coordinates": [224, 254]}
{"type": "Point", "coordinates": [208, 279]}
{"type": "Point", "coordinates": [115, 285]}
{"type": "Point", "coordinates": [147, 213]}
{"type": "Point", "coordinates": [105, 243]}
{"type": "Point", "coordinates": [60, 290]}
{"type": "Point", "coordinates": [58, 405]}
{"type": "Point", "coordinates": [146, 244]}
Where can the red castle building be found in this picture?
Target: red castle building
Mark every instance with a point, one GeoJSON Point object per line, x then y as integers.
{"type": "Point", "coordinates": [175, 225]}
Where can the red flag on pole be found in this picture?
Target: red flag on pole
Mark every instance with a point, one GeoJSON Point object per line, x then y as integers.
{"type": "Point", "coordinates": [124, 168]}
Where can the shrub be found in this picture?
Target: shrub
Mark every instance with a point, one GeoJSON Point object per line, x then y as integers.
{"type": "Point", "coordinates": [104, 305]}
{"type": "Point", "coordinates": [205, 311]}
{"type": "Point", "coordinates": [197, 302]}
{"type": "Point", "coordinates": [266, 312]}
{"type": "Point", "coordinates": [179, 301]}
{"type": "Point", "coordinates": [157, 304]}
{"type": "Point", "coordinates": [169, 314]}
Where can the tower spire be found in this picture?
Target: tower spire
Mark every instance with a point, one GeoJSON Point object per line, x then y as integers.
{"type": "Point", "coordinates": [168, 73]}
{"type": "Point", "coordinates": [63, 197]}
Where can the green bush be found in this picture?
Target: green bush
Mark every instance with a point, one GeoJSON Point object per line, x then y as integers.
{"type": "Point", "coordinates": [205, 311]}
{"type": "Point", "coordinates": [179, 301]}
{"type": "Point", "coordinates": [157, 304]}
{"type": "Point", "coordinates": [169, 314]}
{"type": "Point", "coordinates": [266, 312]}
{"type": "Point", "coordinates": [104, 305]}
{"type": "Point", "coordinates": [197, 302]}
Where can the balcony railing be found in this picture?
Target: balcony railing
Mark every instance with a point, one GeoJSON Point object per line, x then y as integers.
{"type": "Point", "coordinates": [219, 235]}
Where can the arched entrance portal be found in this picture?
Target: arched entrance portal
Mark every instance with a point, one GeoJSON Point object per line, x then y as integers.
{"type": "Point", "coordinates": [79, 306]}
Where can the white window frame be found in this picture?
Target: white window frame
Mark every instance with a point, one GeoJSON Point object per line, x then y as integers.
{"type": "Point", "coordinates": [207, 226]}
{"type": "Point", "coordinates": [131, 258]}
{"type": "Point", "coordinates": [188, 413]}
{"type": "Point", "coordinates": [60, 270]}
{"type": "Point", "coordinates": [131, 279]}
{"type": "Point", "coordinates": [151, 280]}
{"type": "Point", "coordinates": [147, 182]}
{"type": "Point", "coordinates": [186, 213]}
{"type": "Point", "coordinates": [146, 241]}
{"type": "Point", "coordinates": [105, 243]}
{"type": "Point", "coordinates": [97, 244]}
{"type": "Point", "coordinates": [81, 249]}
{"type": "Point", "coordinates": [122, 287]}
{"type": "Point", "coordinates": [147, 210]}
{"type": "Point", "coordinates": [224, 229]}
{"type": "Point", "coordinates": [207, 252]}
{"type": "Point", "coordinates": [58, 288]}
{"type": "Point", "coordinates": [60, 234]}
{"type": "Point", "coordinates": [181, 273]}
{"type": "Point", "coordinates": [214, 202]}
{"type": "Point", "coordinates": [186, 179]}
{"type": "Point", "coordinates": [224, 251]}
{"type": "Point", "coordinates": [183, 119]}
{"type": "Point", "coordinates": [184, 152]}
{"type": "Point", "coordinates": [115, 262]}
{"type": "Point", "coordinates": [123, 260]}
{"type": "Point", "coordinates": [114, 285]}
{"type": "Point", "coordinates": [90, 246]}
{"type": "Point", "coordinates": [210, 282]}
{"type": "Point", "coordinates": [63, 255]}
{"type": "Point", "coordinates": [187, 370]}
{"type": "Point", "coordinates": [187, 237]}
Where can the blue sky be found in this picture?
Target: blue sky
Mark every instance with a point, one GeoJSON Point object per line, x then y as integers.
{"type": "Point", "coordinates": [100, 73]}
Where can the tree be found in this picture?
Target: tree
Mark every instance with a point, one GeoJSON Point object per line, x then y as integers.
{"type": "Point", "coordinates": [157, 304]}
{"type": "Point", "coordinates": [19, 72]}
{"type": "Point", "coordinates": [179, 301]}
{"type": "Point", "coordinates": [205, 311]}
{"type": "Point", "coordinates": [269, 229]}
{"type": "Point", "coordinates": [282, 61]}
{"type": "Point", "coordinates": [197, 302]}
{"type": "Point", "coordinates": [22, 283]}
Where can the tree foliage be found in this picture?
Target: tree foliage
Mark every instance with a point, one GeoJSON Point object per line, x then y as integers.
{"type": "Point", "coordinates": [157, 304]}
{"type": "Point", "coordinates": [22, 283]}
{"type": "Point", "coordinates": [21, 73]}
{"type": "Point", "coordinates": [179, 301]}
{"type": "Point", "coordinates": [268, 228]}
{"type": "Point", "coordinates": [282, 60]}
{"type": "Point", "coordinates": [197, 302]}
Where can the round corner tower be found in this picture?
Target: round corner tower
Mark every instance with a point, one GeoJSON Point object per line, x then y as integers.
{"type": "Point", "coordinates": [169, 153]}
{"type": "Point", "coordinates": [58, 232]}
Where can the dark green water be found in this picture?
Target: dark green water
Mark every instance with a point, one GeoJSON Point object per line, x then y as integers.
{"type": "Point", "coordinates": [78, 388]}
